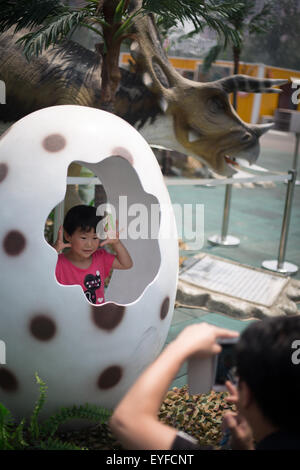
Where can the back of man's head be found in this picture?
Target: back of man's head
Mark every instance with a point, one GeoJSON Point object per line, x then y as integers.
{"type": "Point", "coordinates": [269, 364]}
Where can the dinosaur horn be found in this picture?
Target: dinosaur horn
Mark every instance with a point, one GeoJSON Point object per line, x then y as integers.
{"type": "Point", "coordinates": [261, 129]}
{"type": "Point", "coordinates": [250, 84]}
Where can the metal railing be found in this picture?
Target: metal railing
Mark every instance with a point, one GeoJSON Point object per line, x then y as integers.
{"type": "Point", "coordinates": [279, 265]}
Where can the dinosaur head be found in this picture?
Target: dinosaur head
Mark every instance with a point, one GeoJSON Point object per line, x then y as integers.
{"type": "Point", "coordinates": [206, 124]}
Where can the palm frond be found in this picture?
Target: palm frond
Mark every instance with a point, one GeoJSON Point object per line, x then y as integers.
{"type": "Point", "coordinates": [262, 21]}
{"type": "Point", "coordinates": [28, 13]}
{"type": "Point", "coordinates": [211, 57]}
{"type": "Point", "coordinates": [127, 23]}
{"type": "Point", "coordinates": [52, 33]}
{"type": "Point", "coordinates": [201, 13]}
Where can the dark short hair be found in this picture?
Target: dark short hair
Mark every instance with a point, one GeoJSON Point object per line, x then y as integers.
{"type": "Point", "coordinates": [264, 362]}
{"type": "Point", "coordinates": [82, 217]}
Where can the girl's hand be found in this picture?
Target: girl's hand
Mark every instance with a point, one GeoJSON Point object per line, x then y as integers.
{"type": "Point", "coordinates": [112, 236]}
{"type": "Point", "coordinates": [59, 245]}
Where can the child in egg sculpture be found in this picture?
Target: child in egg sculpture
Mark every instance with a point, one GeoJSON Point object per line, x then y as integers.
{"type": "Point", "coordinates": [85, 353]}
{"type": "Point", "coordinates": [85, 263]}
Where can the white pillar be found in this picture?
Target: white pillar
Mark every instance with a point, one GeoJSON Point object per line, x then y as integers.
{"type": "Point", "coordinates": [257, 97]}
{"type": "Point", "coordinates": [58, 218]}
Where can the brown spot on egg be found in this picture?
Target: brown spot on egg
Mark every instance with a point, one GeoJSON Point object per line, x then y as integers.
{"type": "Point", "coordinates": [110, 377]}
{"type": "Point", "coordinates": [3, 171]}
{"type": "Point", "coordinates": [8, 381]}
{"type": "Point", "coordinates": [14, 243]}
{"type": "Point", "coordinates": [124, 153]}
{"type": "Point", "coordinates": [164, 308]}
{"type": "Point", "coordinates": [54, 143]}
{"type": "Point", "coordinates": [107, 316]}
{"type": "Point", "coordinates": [42, 327]}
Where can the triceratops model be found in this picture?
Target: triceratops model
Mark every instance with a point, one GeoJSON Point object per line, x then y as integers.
{"type": "Point", "coordinates": [169, 110]}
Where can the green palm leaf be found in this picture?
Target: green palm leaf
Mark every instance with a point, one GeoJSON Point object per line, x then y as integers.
{"type": "Point", "coordinates": [52, 33]}
{"type": "Point", "coordinates": [28, 13]}
{"type": "Point", "coordinates": [200, 13]}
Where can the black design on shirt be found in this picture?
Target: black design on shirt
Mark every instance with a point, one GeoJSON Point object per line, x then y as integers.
{"type": "Point", "coordinates": [92, 283]}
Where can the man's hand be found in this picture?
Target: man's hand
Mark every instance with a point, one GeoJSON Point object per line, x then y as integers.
{"type": "Point", "coordinates": [233, 393]}
{"type": "Point", "coordinates": [59, 245]}
{"type": "Point", "coordinates": [241, 433]}
{"type": "Point", "coordinates": [201, 340]}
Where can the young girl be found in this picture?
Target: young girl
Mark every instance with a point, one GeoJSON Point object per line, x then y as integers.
{"type": "Point", "coordinates": [85, 264]}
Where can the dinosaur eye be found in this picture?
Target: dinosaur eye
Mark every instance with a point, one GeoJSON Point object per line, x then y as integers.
{"type": "Point", "coordinates": [216, 104]}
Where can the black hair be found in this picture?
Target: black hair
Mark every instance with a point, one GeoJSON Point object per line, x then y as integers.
{"type": "Point", "coordinates": [83, 217]}
{"type": "Point", "coordinates": [266, 363]}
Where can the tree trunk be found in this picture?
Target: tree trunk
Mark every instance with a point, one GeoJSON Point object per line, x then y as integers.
{"type": "Point", "coordinates": [72, 197]}
{"type": "Point", "coordinates": [236, 63]}
{"type": "Point", "coordinates": [100, 195]}
{"type": "Point", "coordinates": [110, 76]}
{"type": "Point", "coordinates": [110, 52]}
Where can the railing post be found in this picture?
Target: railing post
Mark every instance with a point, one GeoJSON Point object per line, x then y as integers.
{"type": "Point", "coordinates": [296, 154]}
{"type": "Point", "coordinates": [58, 219]}
{"type": "Point", "coordinates": [224, 239]}
{"type": "Point", "coordinates": [280, 265]}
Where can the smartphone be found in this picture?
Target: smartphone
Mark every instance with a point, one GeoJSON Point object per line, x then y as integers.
{"type": "Point", "coordinates": [225, 364]}
{"type": "Point", "coordinates": [206, 374]}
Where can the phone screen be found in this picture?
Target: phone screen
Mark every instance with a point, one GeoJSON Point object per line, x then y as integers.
{"type": "Point", "coordinates": [226, 365]}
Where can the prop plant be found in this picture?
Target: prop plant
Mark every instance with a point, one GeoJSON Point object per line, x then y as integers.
{"type": "Point", "coordinates": [36, 435]}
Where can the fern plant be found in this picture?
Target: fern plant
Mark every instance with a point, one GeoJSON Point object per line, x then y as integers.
{"type": "Point", "coordinates": [41, 435]}
{"type": "Point", "coordinates": [10, 438]}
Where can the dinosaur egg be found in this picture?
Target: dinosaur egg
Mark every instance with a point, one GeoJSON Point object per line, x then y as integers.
{"type": "Point", "coordinates": [84, 353]}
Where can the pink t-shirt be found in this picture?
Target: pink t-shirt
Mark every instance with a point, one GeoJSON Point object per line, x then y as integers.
{"type": "Point", "coordinates": [90, 279]}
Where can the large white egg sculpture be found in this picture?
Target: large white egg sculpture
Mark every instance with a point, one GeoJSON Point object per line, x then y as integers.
{"type": "Point", "coordinates": [85, 353]}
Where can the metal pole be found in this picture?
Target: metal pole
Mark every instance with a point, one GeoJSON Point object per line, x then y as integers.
{"type": "Point", "coordinates": [286, 218]}
{"type": "Point", "coordinates": [295, 163]}
{"type": "Point", "coordinates": [224, 239]}
{"type": "Point", "coordinates": [280, 265]}
{"type": "Point", "coordinates": [226, 211]}
{"type": "Point", "coordinates": [58, 218]}
{"type": "Point", "coordinates": [296, 153]}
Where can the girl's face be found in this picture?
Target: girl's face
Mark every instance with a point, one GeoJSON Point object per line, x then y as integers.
{"type": "Point", "coordinates": [83, 244]}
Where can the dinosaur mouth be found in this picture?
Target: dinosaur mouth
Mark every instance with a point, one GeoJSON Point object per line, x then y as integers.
{"type": "Point", "coordinates": [241, 164]}
{"type": "Point", "coordinates": [231, 160]}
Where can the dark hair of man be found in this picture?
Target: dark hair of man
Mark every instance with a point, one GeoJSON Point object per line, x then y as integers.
{"type": "Point", "coordinates": [264, 362]}
{"type": "Point", "coordinates": [82, 217]}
